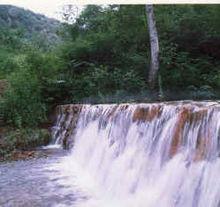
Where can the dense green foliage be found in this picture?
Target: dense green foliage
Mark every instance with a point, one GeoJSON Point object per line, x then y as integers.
{"type": "Point", "coordinates": [114, 41]}
{"type": "Point", "coordinates": [105, 55]}
{"type": "Point", "coordinates": [36, 27]}
{"type": "Point", "coordinates": [30, 74]}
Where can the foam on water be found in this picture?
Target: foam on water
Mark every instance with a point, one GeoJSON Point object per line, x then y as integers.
{"type": "Point", "coordinates": [145, 155]}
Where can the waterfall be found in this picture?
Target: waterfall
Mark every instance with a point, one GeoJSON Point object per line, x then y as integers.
{"type": "Point", "coordinates": [144, 155]}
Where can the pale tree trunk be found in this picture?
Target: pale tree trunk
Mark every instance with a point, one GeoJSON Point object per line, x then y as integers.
{"type": "Point", "coordinates": [154, 46]}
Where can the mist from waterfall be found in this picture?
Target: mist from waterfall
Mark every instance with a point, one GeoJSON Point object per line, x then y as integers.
{"type": "Point", "coordinates": [144, 155]}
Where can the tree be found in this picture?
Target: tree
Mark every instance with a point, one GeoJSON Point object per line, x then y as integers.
{"type": "Point", "coordinates": [154, 45]}
{"type": "Point", "coordinates": [69, 13]}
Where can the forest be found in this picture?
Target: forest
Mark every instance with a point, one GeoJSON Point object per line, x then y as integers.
{"type": "Point", "coordinates": [103, 56]}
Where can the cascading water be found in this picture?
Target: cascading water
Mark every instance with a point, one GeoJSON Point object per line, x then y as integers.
{"type": "Point", "coordinates": [144, 155]}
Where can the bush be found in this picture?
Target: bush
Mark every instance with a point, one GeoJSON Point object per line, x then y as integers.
{"type": "Point", "coordinates": [22, 139]}
{"type": "Point", "coordinates": [101, 81]}
{"type": "Point", "coordinates": [32, 87]}
{"type": "Point", "coordinates": [22, 104]}
{"type": "Point", "coordinates": [179, 69]}
{"type": "Point", "coordinates": [203, 92]}
{"type": "Point", "coordinates": [28, 138]}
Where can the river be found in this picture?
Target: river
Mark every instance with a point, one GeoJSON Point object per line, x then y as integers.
{"type": "Point", "coordinates": [127, 155]}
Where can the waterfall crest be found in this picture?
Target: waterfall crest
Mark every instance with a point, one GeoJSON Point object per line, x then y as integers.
{"type": "Point", "coordinates": [145, 155]}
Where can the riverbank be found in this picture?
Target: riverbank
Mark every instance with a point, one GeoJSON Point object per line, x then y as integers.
{"type": "Point", "coordinates": [16, 144]}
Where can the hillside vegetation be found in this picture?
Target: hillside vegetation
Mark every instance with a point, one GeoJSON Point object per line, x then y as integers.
{"type": "Point", "coordinates": [104, 57]}
{"type": "Point", "coordinates": [34, 27]}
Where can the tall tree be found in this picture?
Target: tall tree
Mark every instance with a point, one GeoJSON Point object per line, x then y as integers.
{"type": "Point", "coordinates": [154, 45]}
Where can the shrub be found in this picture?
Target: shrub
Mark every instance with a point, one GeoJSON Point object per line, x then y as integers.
{"type": "Point", "coordinates": [101, 81]}
{"type": "Point", "coordinates": [22, 105]}
{"type": "Point", "coordinates": [22, 139]}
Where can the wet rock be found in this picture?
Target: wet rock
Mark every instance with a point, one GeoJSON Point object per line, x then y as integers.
{"type": "Point", "coordinates": [183, 117]}
{"type": "Point", "coordinates": [67, 124]}
{"type": "Point", "coordinates": [23, 155]}
{"type": "Point", "coordinates": [147, 114]}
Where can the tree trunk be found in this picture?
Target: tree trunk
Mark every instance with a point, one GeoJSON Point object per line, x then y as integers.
{"type": "Point", "coordinates": [154, 45]}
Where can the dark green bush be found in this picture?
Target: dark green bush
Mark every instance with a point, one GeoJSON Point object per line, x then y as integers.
{"type": "Point", "coordinates": [22, 104]}
{"type": "Point", "coordinates": [101, 81]}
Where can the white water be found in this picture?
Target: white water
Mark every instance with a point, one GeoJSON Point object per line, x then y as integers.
{"type": "Point", "coordinates": [120, 161]}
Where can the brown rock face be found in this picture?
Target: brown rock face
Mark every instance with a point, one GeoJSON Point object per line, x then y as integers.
{"type": "Point", "coordinates": [111, 113]}
{"type": "Point", "coordinates": [183, 117]}
{"type": "Point", "coordinates": [71, 114]}
{"type": "Point", "coordinates": [203, 145]}
{"type": "Point", "coordinates": [197, 116]}
{"type": "Point", "coordinates": [147, 114]}
{"type": "Point", "coordinates": [193, 118]}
